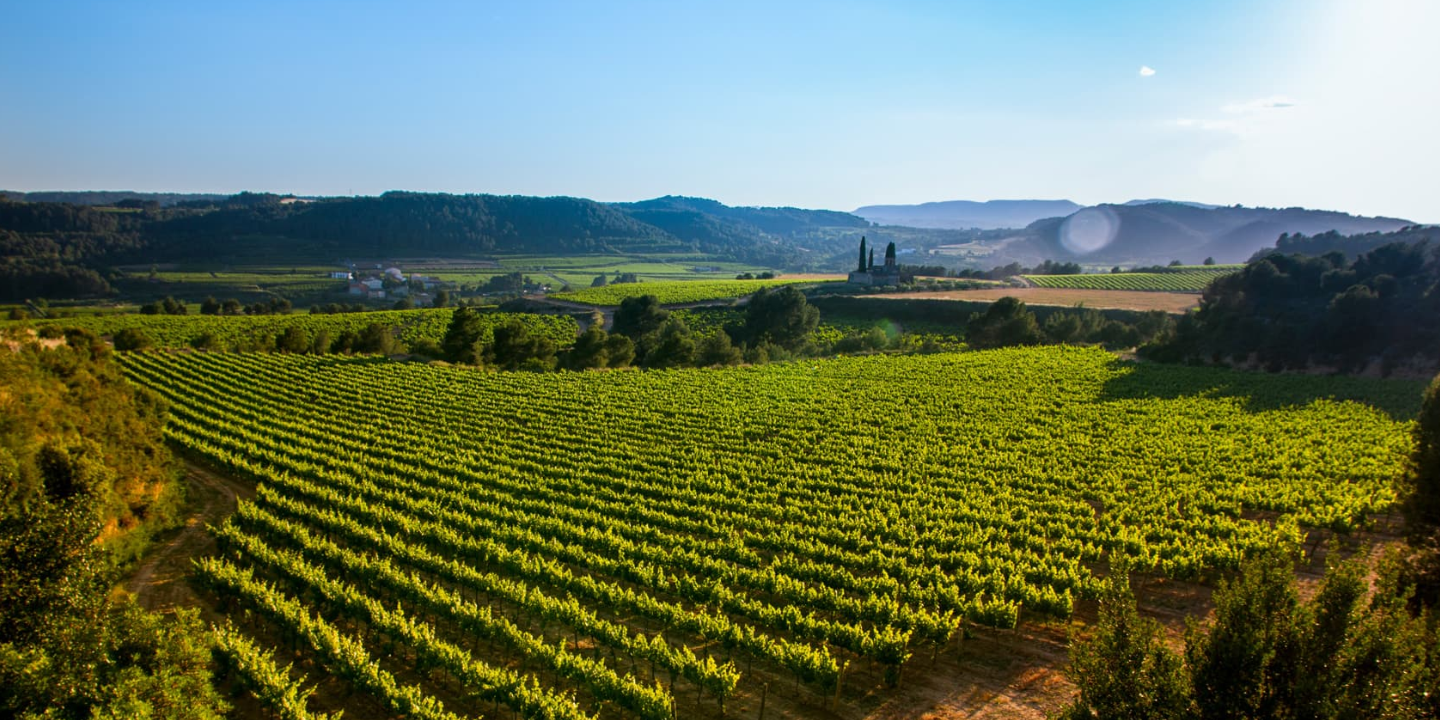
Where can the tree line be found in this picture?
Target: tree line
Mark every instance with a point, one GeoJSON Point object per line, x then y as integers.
{"type": "Point", "coordinates": [778, 323]}
{"type": "Point", "coordinates": [1286, 311]}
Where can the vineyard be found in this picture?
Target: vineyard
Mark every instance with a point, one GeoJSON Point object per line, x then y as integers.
{"type": "Point", "coordinates": [1190, 279]}
{"type": "Point", "coordinates": [673, 293]}
{"type": "Point", "coordinates": [247, 331]}
{"type": "Point", "coordinates": [698, 543]}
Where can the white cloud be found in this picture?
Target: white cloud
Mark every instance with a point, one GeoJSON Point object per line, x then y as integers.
{"type": "Point", "coordinates": [1245, 118]}
{"type": "Point", "coordinates": [1146, 71]}
{"type": "Point", "coordinates": [1274, 102]}
{"type": "Point", "coordinates": [1210, 125]}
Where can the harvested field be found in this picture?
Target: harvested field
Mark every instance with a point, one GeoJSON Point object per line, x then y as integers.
{"type": "Point", "coordinates": [1065, 297]}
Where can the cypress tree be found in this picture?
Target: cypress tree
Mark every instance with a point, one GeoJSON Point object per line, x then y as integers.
{"type": "Point", "coordinates": [862, 253]}
{"type": "Point", "coordinates": [872, 259]}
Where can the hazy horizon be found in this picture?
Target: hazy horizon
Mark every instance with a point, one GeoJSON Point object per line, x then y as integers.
{"type": "Point", "coordinates": [1277, 103]}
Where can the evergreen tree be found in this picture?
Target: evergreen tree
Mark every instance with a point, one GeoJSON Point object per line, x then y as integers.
{"type": "Point", "coordinates": [1006, 322]}
{"type": "Point", "coordinates": [718, 351]}
{"type": "Point", "coordinates": [1245, 665]}
{"type": "Point", "coordinates": [463, 336]}
{"type": "Point", "coordinates": [1421, 487]}
{"type": "Point", "coordinates": [292, 340]}
{"type": "Point", "coordinates": [619, 351]}
{"type": "Point", "coordinates": [674, 346]}
{"type": "Point", "coordinates": [862, 267]}
{"type": "Point", "coordinates": [639, 316]}
{"type": "Point", "coordinates": [780, 317]}
{"type": "Point", "coordinates": [1124, 670]}
{"type": "Point", "coordinates": [1422, 477]}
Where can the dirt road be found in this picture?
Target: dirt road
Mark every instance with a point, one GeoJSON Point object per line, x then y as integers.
{"type": "Point", "coordinates": [159, 583]}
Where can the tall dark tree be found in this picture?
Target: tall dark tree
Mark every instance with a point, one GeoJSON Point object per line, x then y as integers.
{"type": "Point", "coordinates": [589, 351]}
{"type": "Point", "coordinates": [871, 266]}
{"type": "Point", "coordinates": [463, 336]}
{"type": "Point", "coordinates": [1422, 476]}
{"type": "Point", "coordinates": [515, 348]}
{"type": "Point", "coordinates": [780, 316]}
{"type": "Point", "coordinates": [718, 351]}
{"type": "Point", "coordinates": [1006, 322]}
{"type": "Point", "coordinates": [890, 255]}
{"type": "Point", "coordinates": [674, 346]}
{"type": "Point", "coordinates": [1422, 496]}
{"type": "Point", "coordinates": [619, 351]}
{"type": "Point", "coordinates": [639, 316]}
{"type": "Point", "coordinates": [862, 267]}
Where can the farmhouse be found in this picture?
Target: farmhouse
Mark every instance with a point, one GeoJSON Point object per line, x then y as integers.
{"type": "Point", "coordinates": [868, 274]}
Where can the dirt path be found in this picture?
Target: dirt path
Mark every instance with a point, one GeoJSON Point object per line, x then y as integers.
{"type": "Point", "coordinates": [159, 583]}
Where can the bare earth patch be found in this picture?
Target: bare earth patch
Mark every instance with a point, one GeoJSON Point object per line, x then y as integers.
{"type": "Point", "coordinates": [1066, 297]}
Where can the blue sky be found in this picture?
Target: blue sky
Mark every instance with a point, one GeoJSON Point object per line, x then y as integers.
{"type": "Point", "coordinates": [1321, 103]}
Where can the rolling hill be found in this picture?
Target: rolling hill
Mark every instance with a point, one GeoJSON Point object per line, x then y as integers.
{"type": "Point", "coordinates": [965, 214]}
{"type": "Point", "coordinates": [1161, 232]}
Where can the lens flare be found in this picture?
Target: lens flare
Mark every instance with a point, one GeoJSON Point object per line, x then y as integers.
{"type": "Point", "coordinates": [1089, 230]}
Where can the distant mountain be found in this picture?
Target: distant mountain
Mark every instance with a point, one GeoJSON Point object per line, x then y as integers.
{"type": "Point", "coordinates": [107, 197]}
{"type": "Point", "coordinates": [965, 214]}
{"type": "Point", "coordinates": [1159, 232]}
{"type": "Point", "coordinates": [705, 221]}
{"type": "Point", "coordinates": [1161, 201]}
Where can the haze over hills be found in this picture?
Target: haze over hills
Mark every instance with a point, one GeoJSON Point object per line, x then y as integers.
{"type": "Point", "coordinates": [1160, 232]}
{"type": "Point", "coordinates": [964, 214]}
{"type": "Point", "coordinates": [1138, 232]}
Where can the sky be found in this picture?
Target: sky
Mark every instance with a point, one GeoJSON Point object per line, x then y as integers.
{"type": "Point", "coordinates": [1318, 103]}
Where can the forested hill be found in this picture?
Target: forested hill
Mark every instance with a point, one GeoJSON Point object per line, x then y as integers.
{"type": "Point", "coordinates": [109, 197]}
{"type": "Point", "coordinates": [399, 223]}
{"type": "Point", "coordinates": [55, 250]}
{"type": "Point", "coordinates": [1161, 232]}
{"type": "Point", "coordinates": [691, 218]}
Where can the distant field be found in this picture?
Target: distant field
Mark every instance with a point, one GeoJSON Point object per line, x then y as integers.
{"type": "Point", "coordinates": [671, 293]}
{"type": "Point", "coordinates": [1192, 278]}
{"type": "Point", "coordinates": [1066, 297]}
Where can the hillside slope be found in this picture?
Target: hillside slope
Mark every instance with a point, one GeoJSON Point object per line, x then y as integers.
{"type": "Point", "coordinates": [1161, 232]}
{"type": "Point", "coordinates": [965, 214]}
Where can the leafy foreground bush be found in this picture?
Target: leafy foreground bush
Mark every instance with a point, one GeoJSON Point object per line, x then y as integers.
{"type": "Point", "coordinates": [1350, 652]}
